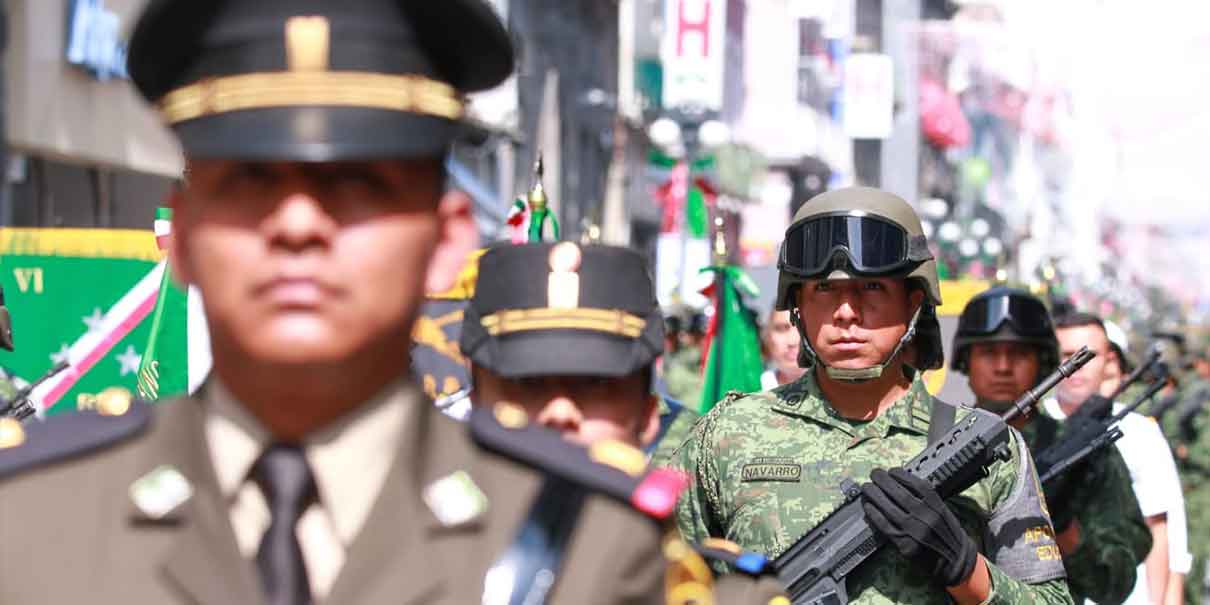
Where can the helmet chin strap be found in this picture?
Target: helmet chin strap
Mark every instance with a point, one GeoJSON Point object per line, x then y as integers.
{"type": "Point", "coordinates": [855, 375]}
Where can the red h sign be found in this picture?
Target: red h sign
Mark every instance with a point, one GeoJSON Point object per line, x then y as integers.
{"type": "Point", "coordinates": [693, 17]}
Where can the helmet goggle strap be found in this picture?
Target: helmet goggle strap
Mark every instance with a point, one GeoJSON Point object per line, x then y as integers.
{"type": "Point", "coordinates": [857, 374]}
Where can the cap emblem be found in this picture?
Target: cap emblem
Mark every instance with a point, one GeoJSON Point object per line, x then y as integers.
{"type": "Point", "coordinates": [307, 43]}
{"type": "Point", "coordinates": [563, 283]}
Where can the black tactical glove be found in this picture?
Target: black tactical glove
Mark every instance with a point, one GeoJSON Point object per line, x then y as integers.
{"type": "Point", "coordinates": [908, 512]}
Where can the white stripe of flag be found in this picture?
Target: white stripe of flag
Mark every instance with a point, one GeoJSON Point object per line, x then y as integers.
{"type": "Point", "coordinates": [119, 320]}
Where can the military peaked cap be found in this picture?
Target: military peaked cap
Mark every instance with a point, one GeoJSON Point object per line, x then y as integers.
{"type": "Point", "coordinates": [560, 309]}
{"type": "Point", "coordinates": [316, 80]}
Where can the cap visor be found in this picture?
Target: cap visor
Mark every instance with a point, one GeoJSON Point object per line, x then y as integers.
{"type": "Point", "coordinates": [316, 134]}
{"type": "Point", "coordinates": [564, 353]}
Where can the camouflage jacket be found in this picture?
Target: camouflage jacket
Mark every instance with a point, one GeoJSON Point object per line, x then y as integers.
{"type": "Point", "coordinates": [766, 468]}
{"type": "Point", "coordinates": [1114, 540]}
{"type": "Point", "coordinates": [683, 375]}
{"type": "Point", "coordinates": [676, 420]}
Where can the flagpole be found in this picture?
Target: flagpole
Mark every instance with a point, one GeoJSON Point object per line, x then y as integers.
{"type": "Point", "coordinates": [714, 355]}
{"type": "Point", "coordinates": [149, 371]}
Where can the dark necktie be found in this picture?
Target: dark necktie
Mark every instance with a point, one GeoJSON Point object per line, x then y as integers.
{"type": "Point", "coordinates": [286, 480]}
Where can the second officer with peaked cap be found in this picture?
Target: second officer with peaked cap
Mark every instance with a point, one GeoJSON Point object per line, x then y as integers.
{"type": "Point", "coordinates": [570, 334]}
{"type": "Point", "coordinates": [308, 468]}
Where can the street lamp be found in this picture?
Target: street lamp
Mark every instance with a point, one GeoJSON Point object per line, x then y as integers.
{"type": "Point", "coordinates": [664, 132]}
{"type": "Point", "coordinates": [713, 133]}
{"type": "Point", "coordinates": [684, 135]}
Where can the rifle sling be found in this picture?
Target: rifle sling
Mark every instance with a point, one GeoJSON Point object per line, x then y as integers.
{"type": "Point", "coordinates": [533, 559]}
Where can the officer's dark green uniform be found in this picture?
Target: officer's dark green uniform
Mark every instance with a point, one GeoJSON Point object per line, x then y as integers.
{"type": "Point", "coordinates": [1113, 537]}
{"type": "Point", "coordinates": [126, 506]}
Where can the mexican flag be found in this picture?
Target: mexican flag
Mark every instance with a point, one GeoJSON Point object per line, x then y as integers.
{"type": "Point", "coordinates": [731, 351]}
{"type": "Point", "coordinates": [82, 296]}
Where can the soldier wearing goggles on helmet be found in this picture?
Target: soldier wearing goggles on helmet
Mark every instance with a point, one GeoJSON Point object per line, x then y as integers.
{"type": "Point", "coordinates": [861, 286]}
{"type": "Point", "coordinates": [1005, 344]}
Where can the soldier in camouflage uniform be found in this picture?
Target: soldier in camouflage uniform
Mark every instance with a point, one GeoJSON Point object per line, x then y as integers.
{"type": "Point", "coordinates": [682, 365]}
{"type": "Point", "coordinates": [858, 277]}
{"type": "Point", "coordinates": [9, 383]}
{"type": "Point", "coordinates": [1005, 343]}
{"type": "Point", "coordinates": [676, 421]}
{"type": "Point", "coordinates": [1194, 465]}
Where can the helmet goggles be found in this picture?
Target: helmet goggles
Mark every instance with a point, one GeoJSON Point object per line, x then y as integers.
{"type": "Point", "coordinates": [872, 245]}
{"type": "Point", "coordinates": [1027, 316]}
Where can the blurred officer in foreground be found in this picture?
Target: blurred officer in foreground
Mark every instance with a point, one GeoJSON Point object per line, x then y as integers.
{"type": "Point", "coordinates": [860, 283]}
{"type": "Point", "coordinates": [1005, 343]}
{"type": "Point", "coordinates": [310, 468]}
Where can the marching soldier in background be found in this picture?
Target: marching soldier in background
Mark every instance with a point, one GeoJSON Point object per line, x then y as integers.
{"type": "Point", "coordinates": [1193, 459]}
{"type": "Point", "coordinates": [570, 334]}
{"type": "Point", "coordinates": [1153, 473]}
{"type": "Point", "coordinates": [859, 281]}
{"type": "Point", "coordinates": [309, 468]}
{"type": "Point", "coordinates": [9, 384]}
{"type": "Point", "coordinates": [1005, 343]}
{"type": "Point", "coordinates": [682, 367]}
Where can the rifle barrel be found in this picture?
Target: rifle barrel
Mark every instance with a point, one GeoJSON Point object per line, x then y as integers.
{"type": "Point", "coordinates": [1031, 397]}
{"type": "Point", "coordinates": [1150, 392]}
{"type": "Point", "coordinates": [1153, 356]}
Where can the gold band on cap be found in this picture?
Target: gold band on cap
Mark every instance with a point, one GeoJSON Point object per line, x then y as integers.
{"type": "Point", "coordinates": [405, 93]}
{"type": "Point", "coordinates": [610, 321]}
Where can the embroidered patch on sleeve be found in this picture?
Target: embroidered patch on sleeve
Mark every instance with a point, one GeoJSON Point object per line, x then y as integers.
{"type": "Point", "coordinates": [772, 469]}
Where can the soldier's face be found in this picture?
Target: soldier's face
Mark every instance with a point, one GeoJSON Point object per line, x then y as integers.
{"type": "Point", "coordinates": [304, 263]}
{"type": "Point", "coordinates": [856, 323]}
{"type": "Point", "coordinates": [1087, 380]}
{"type": "Point", "coordinates": [1202, 367]}
{"type": "Point", "coordinates": [584, 409]}
{"type": "Point", "coordinates": [1001, 371]}
{"type": "Point", "coordinates": [781, 341]}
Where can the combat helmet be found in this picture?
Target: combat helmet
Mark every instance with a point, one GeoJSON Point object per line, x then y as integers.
{"type": "Point", "coordinates": [862, 232]}
{"type": "Point", "coordinates": [1004, 314]}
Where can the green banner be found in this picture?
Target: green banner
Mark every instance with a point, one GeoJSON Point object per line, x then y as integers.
{"type": "Point", "coordinates": [83, 295]}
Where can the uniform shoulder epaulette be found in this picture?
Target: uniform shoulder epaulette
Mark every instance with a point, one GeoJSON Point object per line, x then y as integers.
{"type": "Point", "coordinates": [114, 418]}
{"type": "Point", "coordinates": [609, 467]}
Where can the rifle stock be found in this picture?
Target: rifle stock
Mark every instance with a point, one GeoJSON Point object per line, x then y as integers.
{"type": "Point", "coordinates": [814, 568]}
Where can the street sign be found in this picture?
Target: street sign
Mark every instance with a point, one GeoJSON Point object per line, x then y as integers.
{"type": "Point", "coordinates": [692, 52]}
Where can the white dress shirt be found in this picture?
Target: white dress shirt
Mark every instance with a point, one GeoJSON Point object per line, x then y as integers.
{"type": "Point", "coordinates": [349, 460]}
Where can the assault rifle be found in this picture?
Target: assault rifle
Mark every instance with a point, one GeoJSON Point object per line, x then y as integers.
{"type": "Point", "coordinates": [814, 569]}
{"type": "Point", "coordinates": [1089, 433]}
{"type": "Point", "coordinates": [19, 407]}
